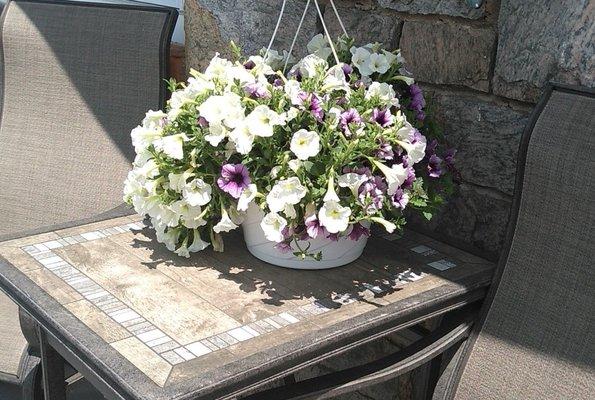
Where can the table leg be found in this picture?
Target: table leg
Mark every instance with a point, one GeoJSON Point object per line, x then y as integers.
{"type": "Point", "coordinates": [52, 369]}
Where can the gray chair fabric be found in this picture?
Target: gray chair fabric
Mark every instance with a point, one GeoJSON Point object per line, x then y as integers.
{"type": "Point", "coordinates": [537, 340]}
{"type": "Point", "coordinates": [76, 78]}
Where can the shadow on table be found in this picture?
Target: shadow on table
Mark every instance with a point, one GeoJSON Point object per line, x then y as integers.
{"type": "Point", "coordinates": [375, 275]}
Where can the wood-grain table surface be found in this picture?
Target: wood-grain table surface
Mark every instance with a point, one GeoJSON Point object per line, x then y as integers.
{"type": "Point", "coordinates": [143, 323]}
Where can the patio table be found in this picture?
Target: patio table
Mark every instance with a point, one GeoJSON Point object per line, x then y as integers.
{"type": "Point", "coordinates": [140, 322]}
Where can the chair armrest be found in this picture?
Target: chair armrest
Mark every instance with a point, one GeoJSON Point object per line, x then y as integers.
{"type": "Point", "coordinates": [383, 369]}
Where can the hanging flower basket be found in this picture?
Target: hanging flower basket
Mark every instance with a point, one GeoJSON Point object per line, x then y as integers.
{"type": "Point", "coordinates": [305, 155]}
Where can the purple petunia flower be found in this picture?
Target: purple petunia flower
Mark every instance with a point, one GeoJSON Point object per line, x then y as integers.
{"type": "Point", "coordinates": [449, 157]}
{"type": "Point", "coordinates": [435, 166]}
{"type": "Point", "coordinates": [349, 118]}
{"type": "Point", "coordinates": [249, 64]}
{"type": "Point", "coordinates": [234, 179]}
{"type": "Point", "coordinates": [313, 227]}
{"type": "Point", "coordinates": [408, 183]}
{"type": "Point", "coordinates": [375, 188]}
{"type": "Point", "coordinates": [385, 151]}
{"type": "Point", "coordinates": [202, 122]}
{"type": "Point", "coordinates": [358, 231]}
{"type": "Point", "coordinates": [257, 91]}
{"type": "Point", "coordinates": [400, 199]}
{"type": "Point", "coordinates": [382, 117]}
{"type": "Point", "coordinates": [278, 82]}
{"type": "Point", "coordinates": [417, 101]}
{"type": "Point", "coordinates": [431, 147]}
{"type": "Point", "coordinates": [360, 171]}
{"type": "Point", "coordinates": [347, 70]}
{"type": "Point", "coordinates": [314, 105]}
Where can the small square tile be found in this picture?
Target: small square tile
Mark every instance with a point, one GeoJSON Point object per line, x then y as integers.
{"type": "Point", "coordinates": [265, 326]}
{"type": "Point", "coordinates": [123, 315]}
{"type": "Point", "coordinates": [158, 341]}
{"type": "Point", "coordinates": [165, 346]}
{"type": "Point", "coordinates": [70, 240]}
{"type": "Point", "coordinates": [289, 318]}
{"type": "Point", "coordinates": [227, 338]}
{"type": "Point", "coordinates": [240, 334]}
{"type": "Point", "coordinates": [185, 354]}
{"type": "Point", "coordinates": [172, 358]}
{"type": "Point", "coordinates": [198, 349]}
{"type": "Point", "coordinates": [209, 345]}
{"type": "Point", "coordinates": [150, 335]}
{"type": "Point", "coordinates": [53, 244]}
{"type": "Point", "coordinates": [217, 341]}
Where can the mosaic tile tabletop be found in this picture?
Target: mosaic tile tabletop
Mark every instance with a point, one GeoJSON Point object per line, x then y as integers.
{"type": "Point", "coordinates": [174, 318]}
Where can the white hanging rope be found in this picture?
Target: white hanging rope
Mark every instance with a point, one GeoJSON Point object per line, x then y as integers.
{"type": "Point", "coordinates": [276, 29]}
{"type": "Point", "coordinates": [330, 41]}
{"type": "Point", "coordinates": [297, 32]}
{"type": "Point", "coordinates": [338, 18]}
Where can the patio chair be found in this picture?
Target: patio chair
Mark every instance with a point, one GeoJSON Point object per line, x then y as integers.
{"type": "Point", "coordinates": [534, 337]}
{"type": "Point", "coordinates": [76, 78]}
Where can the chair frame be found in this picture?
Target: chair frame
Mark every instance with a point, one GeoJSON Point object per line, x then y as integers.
{"type": "Point", "coordinates": [458, 332]}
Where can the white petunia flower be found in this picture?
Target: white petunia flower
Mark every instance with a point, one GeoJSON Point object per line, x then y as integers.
{"type": "Point", "coordinates": [379, 63]}
{"type": "Point", "coordinates": [310, 66]}
{"type": "Point", "coordinates": [353, 181]}
{"type": "Point", "coordinates": [143, 137]}
{"type": "Point", "coordinates": [335, 80]}
{"type": "Point", "coordinates": [260, 66]}
{"type": "Point", "coordinates": [197, 244]}
{"type": "Point", "coordinates": [169, 237]}
{"type": "Point", "coordinates": [389, 226]}
{"type": "Point", "coordinates": [173, 145]}
{"type": "Point", "coordinates": [166, 216]}
{"type": "Point", "coordinates": [289, 211]}
{"type": "Point", "coordinates": [334, 217]}
{"type": "Point", "coordinates": [262, 120]}
{"type": "Point", "coordinates": [331, 195]}
{"type": "Point", "coordinates": [294, 165]}
{"type": "Point", "coordinates": [395, 176]}
{"type": "Point", "coordinates": [291, 114]}
{"type": "Point", "coordinates": [333, 116]}
{"type": "Point", "coordinates": [177, 182]}
{"type": "Point", "coordinates": [227, 108]}
{"type": "Point", "coordinates": [217, 133]}
{"type": "Point", "coordinates": [273, 58]}
{"type": "Point", "coordinates": [390, 57]}
{"type": "Point", "coordinates": [287, 191]}
{"type": "Point", "coordinates": [384, 92]}
{"type": "Point", "coordinates": [242, 138]}
{"type": "Point", "coordinates": [319, 46]}
{"type": "Point", "coordinates": [248, 194]}
{"type": "Point", "coordinates": [218, 68]}
{"type": "Point", "coordinates": [197, 192]}
{"type": "Point", "coordinates": [361, 60]}
{"type": "Point", "coordinates": [416, 151]}
{"type": "Point", "coordinates": [225, 224]}
{"type": "Point", "coordinates": [191, 216]}
{"type": "Point", "coordinates": [305, 144]}
{"type": "Point", "coordinates": [273, 225]}
{"type": "Point", "coordinates": [293, 89]}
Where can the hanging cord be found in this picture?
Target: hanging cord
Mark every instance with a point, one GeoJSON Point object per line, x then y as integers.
{"type": "Point", "coordinates": [276, 29]}
{"type": "Point", "coordinates": [330, 41]}
{"type": "Point", "coordinates": [297, 32]}
{"type": "Point", "coordinates": [338, 17]}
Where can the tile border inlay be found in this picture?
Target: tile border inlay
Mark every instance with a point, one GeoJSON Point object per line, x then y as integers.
{"type": "Point", "coordinates": [158, 341]}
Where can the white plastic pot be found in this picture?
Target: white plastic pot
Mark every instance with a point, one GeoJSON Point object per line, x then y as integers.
{"type": "Point", "coordinates": [334, 254]}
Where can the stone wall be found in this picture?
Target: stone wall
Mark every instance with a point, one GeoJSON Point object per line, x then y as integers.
{"type": "Point", "coordinates": [483, 71]}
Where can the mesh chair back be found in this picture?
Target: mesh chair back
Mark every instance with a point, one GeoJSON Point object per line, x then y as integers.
{"type": "Point", "coordinates": [77, 77]}
{"type": "Point", "coordinates": [537, 340]}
